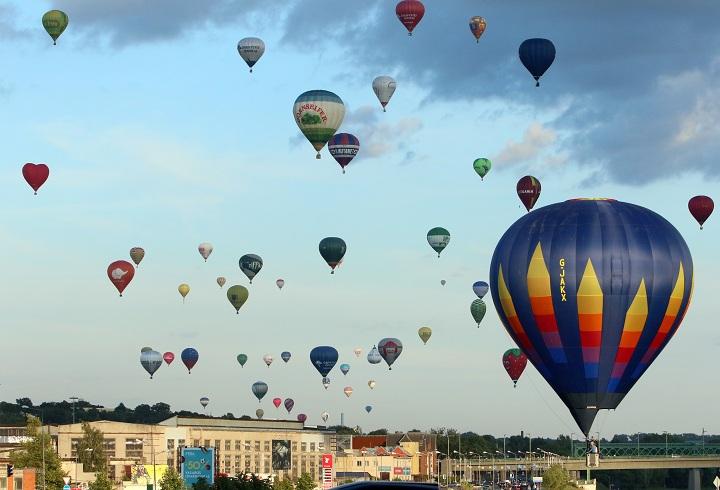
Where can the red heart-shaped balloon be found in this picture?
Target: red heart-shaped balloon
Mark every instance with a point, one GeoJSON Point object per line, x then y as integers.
{"type": "Point", "coordinates": [35, 174]}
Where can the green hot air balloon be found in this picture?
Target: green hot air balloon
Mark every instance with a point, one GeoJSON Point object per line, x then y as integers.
{"type": "Point", "coordinates": [425, 333]}
{"type": "Point", "coordinates": [438, 238]}
{"type": "Point", "coordinates": [55, 22]}
{"type": "Point", "coordinates": [482, 166]}
{"type": "Point", "coordinates": [237, 295]}
{"type": "Point", "coordinates": [478, 309]}
{"type": "Point", "coordinates": [242, 359]}
{"type": "Point", "coordinates": [318, 114]}
{"type": "Point", "coordinates": [332, 250]}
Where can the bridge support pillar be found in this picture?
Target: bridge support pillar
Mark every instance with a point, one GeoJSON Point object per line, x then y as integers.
{"type": "Point", "coordinates": [694, 479]}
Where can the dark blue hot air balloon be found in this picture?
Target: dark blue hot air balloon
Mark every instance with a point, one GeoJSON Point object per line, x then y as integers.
{"type": "Point", "coordinates": [591, 290]}
{"type": "Point", "coordinates": [324, 359]}
{"type": "Point", "coordinates": [285, 356]}
{"type": "Point", "coordinates": [537, 55]}
{"type": "Point", "coordinates": [189, 357]}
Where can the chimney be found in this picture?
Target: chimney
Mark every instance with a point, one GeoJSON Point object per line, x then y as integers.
{"type": "Point", "coordinates": [342, 419]}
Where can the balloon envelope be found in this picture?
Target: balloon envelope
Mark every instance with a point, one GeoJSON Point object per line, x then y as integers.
{"type": "Point", "coordinates": [374, 356]}
{"type": "Point", "coordinates": [325, 382]}
{"type": "Point", "coordinates": [537, 55]}
{"type": "Point", "coordinates": [55, 22]}
{"type": "Point", "coordinates": [438, 238]}
{"type": "Point", "coordinates": [482, 166]}
{"type": "Point", "coordinates": [277, 402]}
{"type": "Point", "coordinates": [268, 359]}
{"type": "Point", "coordinates": [345, 368]}
{"type": "Point", "coordinates": [348, 391]}
{"type": "Point", "coordinates": [35, 174]}
{"type": "Point", "coordinates": [318, 114]}
{"type": "Point", "coordinates": [343, 147]}
{"type": "Point", "coordinates": [591, 291]}
{"type": "Point", "coordinates": [480, 288]}
{"type": "Point", "coordinates": [120, 274]}
{"type": "Point", "coordinates": [325, 416]}
{"type": "Point", "coordinates": [410, 13]}
{"type": "Point", "coordinates": [168, 357]}
{"type": "Point", "coordinates": [368, 408]}
{"type": "Point", "coordinates": [701, 207]}
{"type": "Point", "coordinates": [289, 404]}
{"type": "Point", "coordinates": [324, 359]}
{"type": "Point", "coordinates": [332, 249]}
{"type": "Point", "coordinates": [183, 289]}
{"type": "Point", "coordinates": [477, 310]}
{"type": "Point", "coordinates": [259, 389]}
{"type": "Point", "coordinates": [477, 26]}
{"type": "Point", "coordinates": [390, 349]}
{"type": "Point", "coordinates": [280, 283]}
{"type": "Point", "coordinates": [357, 351]}
{"type": "Point", "coordinates": [528, 190]}
{"type": "Point", "coordinates": [424, 333]}
{"type": "Point", "coordinates": [204, 401]}
{"type": "Point", "coordinates": [189, 357]}
{"type": "Point", "coordinates": [514, 362]}
{"type": "Point", "coordinates": [221, 281]}
{"type": "Point", "coordinates": [371, 384]}
{"type": "Point", "coordinates": [136, 255]}
{"type": "Point", "coordinates": [259, 413]}
{"type": "Point", "coordinates": [146, 349]}
{"type": "Point", "coordinates": [285, 356]}
{"type": "Point", "coordinates": [250, 265]}
{"type": "Point", "coordinates": [242, 359]}
{"type": "Point", "coordinates": [302, 417]}
{"type": "Point", "coordinates": [205, 250]}
{"type": "Point", "coordinates": [151, 360]}
{"type": "Point", "coordinates": [251, 50]}
{"type": "Point", "coordinates": [237, 295]}
{"type": "Point", "coordinates": [384, 87]}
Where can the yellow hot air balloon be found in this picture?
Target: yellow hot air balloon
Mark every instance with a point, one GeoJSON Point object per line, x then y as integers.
{"type": "Point", "coordinates": [183, 289]}
{"type": "Point", "coordinates": [425, 333]}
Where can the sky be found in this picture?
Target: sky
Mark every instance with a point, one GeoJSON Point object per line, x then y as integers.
{"type": "Point", "coordinates": [157, 136]}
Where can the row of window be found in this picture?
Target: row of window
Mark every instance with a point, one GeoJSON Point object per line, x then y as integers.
{"type": "Point", "coordinates": [17, 484]}
{"type": "Point", "coordinates": [245, 445]}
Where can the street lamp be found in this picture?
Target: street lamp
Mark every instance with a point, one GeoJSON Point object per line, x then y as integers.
{"type": "Point", "coordinates": [42, 439]}
{"type": "Point", "coordinates": [666, 444]}
{"type": "Point", "coordinates": [493, 468]}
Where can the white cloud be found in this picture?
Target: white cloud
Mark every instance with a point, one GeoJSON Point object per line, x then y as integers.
{"type": "Point", "coordinates": [534, 141]}
{"type": "Point", "coordinates": [379, 138]}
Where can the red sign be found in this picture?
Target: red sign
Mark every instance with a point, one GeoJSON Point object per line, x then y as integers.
{"type": "Point", "coordinates": [327, 461]}
{"type": "Point", "coordinates": [397, 471]}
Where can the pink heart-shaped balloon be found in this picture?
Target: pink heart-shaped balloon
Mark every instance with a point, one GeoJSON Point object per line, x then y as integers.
{"type": "Point", "coordinates": [35, 174]}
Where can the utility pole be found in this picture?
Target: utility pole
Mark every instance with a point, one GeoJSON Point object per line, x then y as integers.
{"type": "Point", "coordinates": [73, 399]}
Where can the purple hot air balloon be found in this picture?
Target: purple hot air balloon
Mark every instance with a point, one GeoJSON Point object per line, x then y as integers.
{"type": "Point", "coordinates": [302, 417]}
{"type": "Point", "coordinates": [289, 404]}
{"type": "Point", "coordinates": [343, 147]}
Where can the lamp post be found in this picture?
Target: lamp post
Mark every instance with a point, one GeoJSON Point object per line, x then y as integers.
{"type": "Point", "coordinates": [666, 444]}
{"type": "Point", "coordinates": [638, 444]}
{"type": "Point", "coordinates": [73, 399]}
{"type": "Point", "coordinates": [42, 441]}
{"type": "Point", "coordinates": [703, 441]}
{"type": "Point", "coordinates": [493, 468]}
{"type": "Point", "coordinates": [572, 444]}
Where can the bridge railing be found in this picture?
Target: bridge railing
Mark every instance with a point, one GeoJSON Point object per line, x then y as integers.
{"type": "Point", "coordinates": [629, 449]}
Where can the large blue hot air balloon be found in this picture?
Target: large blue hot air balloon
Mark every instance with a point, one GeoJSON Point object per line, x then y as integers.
{"type": "Point", "coordinates": [324, 359]}
{"type": "Point", "coordinates": [537, 55]}
{"type": "Point", "coordinates": [189, 357]}
{"type": "Point", "coordinates": [592, 291]}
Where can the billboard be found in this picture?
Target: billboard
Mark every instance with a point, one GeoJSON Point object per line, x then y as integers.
{"type": "Point", "coordinates": [281, 454]}
{"type": "Point", "coordinates": [196, 463]}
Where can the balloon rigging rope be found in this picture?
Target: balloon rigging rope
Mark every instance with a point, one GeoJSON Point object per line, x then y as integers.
{"type": "Point", "coordinates": [562, 421]}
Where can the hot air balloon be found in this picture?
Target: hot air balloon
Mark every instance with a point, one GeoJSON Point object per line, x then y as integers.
{"type": "Point", "coordinates": [183, 289]}
{"type": "Point", "coordinates": [146, 349]}
{"type": "Point", "coordinates": [374, 356]}
{"type": "Point", "coordinates": [251, 50]}
{"type": "Point", "coordinates": [237, 295]}
{"type": "Point", "coordinates": [332, 249]}
{"type": "Point", "coordinates": [443, 282]}
{"type": "Point", "coordinates": [250, 265]}
{"type": "Point", "coordinates": [302, 417]}
{"type": "Point", "coordinates": [357, 351]}
{"type": "Point", "coordinates": [55, 22]}
{"type": "Point", "coordinates": [480, 288]}
{"type": "Point", "coordinates": [390, 349]}
{"type": "Point", "coordinates": [136, 255]}
{"type": "Point", "coordinates": [368, 408]}
{"type": "Point", "coordinates": [514, 362]}
{"type": "Point", "coordinates": [277, 402]}
{"type": "Point", "coordinates": [591, 290]}
{"type": "Point", "coordinates": [189, 357]}
{"type": "Point", "coordinates": [285, 356]}
{"type": "Point", "coordinates": [205, 250]}
{"type": "Point", "coordinates": [482, 166]}
{"type": "Point", "coordinates": [325, 416]}
{"type": "Point", "coordinates": [242, 359]}
{"type": "Point", "coordinates": [348, 391]}
{"type": "Point", "coordinates": [325, 382]}
{"type": "Point", "coordinates": [345, 368]}
{"type": "Point", "coordinates": [477, 26]}
{"type": "Point", "coordinates": [120, 274]}
{"type": "Point", "coordinates": [477, 310]}
{"type": "Point", "coordinates": [168, 357]}
{"type": "Point", "coordinates": [151, 360]}
{"type": "Point", "coordinates": [384, 88]}
{"type": "Point", "coordinates": [371, 384]}
{"type": "Point", "coordinates": [204, 401]}
{"type": "Point", "coordinates": [280, 283]}
{"type": "Point", "coordinates": [259, 389]}
{"type": "Point", "coordinates": [268, 359]}
{"type": "Point", "coordinates": [289, 404]}
{"type": "Point", "coordinates": [318, 114]}
{"type": "Point", "coordinates": [410, 13]}
{"type": "Point", "coordinates": [324, 359]}
{"type": "Point", "coordinates": [424, 333]}
{"type": "Point", "coordinates": [221, 281]}
{"type": "Point", "coordinates": [701, 207]}
{"type": "Point", "coordinates": [259, 412]}
{"type": "Point", "coordinates": [35, 175]}
{"type": "Point", "coordinates": [438, 238]}
{"type": "Point", "coordinates": [343, 147]}
{"type": "Point", "coordinates": [528, 190]}
{"type": "Point", "coordinates": [537, 55]}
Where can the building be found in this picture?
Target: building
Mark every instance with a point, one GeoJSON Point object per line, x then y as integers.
{"type": "Point", "coordinates": [378, 463]}
{"type": "Point", "coordinates": [421, 446]}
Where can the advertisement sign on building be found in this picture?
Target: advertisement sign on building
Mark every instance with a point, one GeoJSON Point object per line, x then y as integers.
{"type": "Point", "coordinates": [384, 468]}
{"type": "Point", "coordinates": [327, 471]}
{"type": "Point", "coordinates": [196, 463]}
{"type": "Point", "coordinates": [281, 454]}
{"type": "Point", "coordinates": [327, 461]}
{"type": "Point", "coordinates": [397, 471]}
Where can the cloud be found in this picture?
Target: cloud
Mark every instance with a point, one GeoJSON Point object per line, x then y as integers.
{"type": "Point", "coordinates": [380, 138]}
{"type": "Point", "coordinates": [534, 141]}
{"type": "Point", "coordinates": [8, 29]}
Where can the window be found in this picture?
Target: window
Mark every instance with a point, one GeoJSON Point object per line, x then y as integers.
{"type": "Point", "coordinates": [73, 447]}
{"type": "Point", "coordinates": [321, 446]}
{"type": "Point", "coordinates": [257, 446]}
{"type": "Point", "coordinates": [247, 445]}
{"type": "Point", "coordinates": [359, 463]}
{"type": "Point", "coordinates": [303, 446]}
{"type": "Point", "coordinates": [207, 443]}
{"type": "Point", "coordinates": [3, 483]}
{"type": "Point", "coordinates": [217, 444]}
{"type": "Point", "coordinates": [196, 442]}
{"type": "Point", "coordinates": [312, 447]}
{"type": "Point", "coordinates": [109, 446]}
{"type": "Point", "coordinates": [238, 445]}
{"type": "Point", "coordinates": [18, 483]}
{"type": "Point", "coordinates": [181, 442]}
{"type": "Point", "coordinates": [171, 444]}
{"type": "Point", "coordinates": [266, 446]}
{"type": "Point", "coordinates": [294, 447]}
{"type": "Point", "coordinates": [227, 445]}
{"type": "Point", "coordinates": [133, 448]}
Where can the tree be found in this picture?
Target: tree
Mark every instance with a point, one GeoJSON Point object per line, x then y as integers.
{"type": "Point", "coordinates": [284, 484]}
{"type": "Point", "coordinates": [378, 432]}
{"type": "Point", "coordinates": [171, 480]}
{"type": "Point", "coordinates": [556, 478]}
{"type": "Point", "coordinates": [201, 484]}
{"type": "Point", "coordinates": [91, 449]}
{"type": "Point", "coordinates": [305, 482]}
{"type": "Point", "coordinates": [31, 456]}
{"type": "Point", "coordinates": [102, 482]}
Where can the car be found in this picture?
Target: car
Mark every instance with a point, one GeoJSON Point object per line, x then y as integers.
{"type": "Point", "coordinates": [393, 485]}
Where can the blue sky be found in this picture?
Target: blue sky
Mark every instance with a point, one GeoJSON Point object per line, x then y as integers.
{"type": "Point", "coordinates": [158, 137]}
